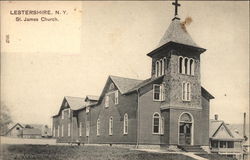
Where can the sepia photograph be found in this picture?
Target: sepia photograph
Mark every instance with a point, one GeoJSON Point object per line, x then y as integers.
{"type": "Point", "coordinates": [124, 80]}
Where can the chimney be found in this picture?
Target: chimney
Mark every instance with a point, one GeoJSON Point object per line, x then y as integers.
{"type": "Point", "coordinates": [216, 117]}
{"type": "Point", "coordinates": [244, 125]}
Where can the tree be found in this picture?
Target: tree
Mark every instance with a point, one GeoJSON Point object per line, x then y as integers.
{"type": "Point", "coordinates": [5, 117]}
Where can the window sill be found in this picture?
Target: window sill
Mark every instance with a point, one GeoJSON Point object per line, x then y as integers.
{"type": "Point", "coordinates": [156, 133]}
{"type": "Point", "coordinates": [187, 74]}
{"type": "Point", "coordinates": [125, 134]}
{"type": "Point", "coordinates": [155, 100]}
{"type": "Point", "coordinates": [186, 100]}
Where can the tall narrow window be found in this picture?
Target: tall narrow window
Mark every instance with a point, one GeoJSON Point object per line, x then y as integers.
{"type": "Point", "coordinates": [180, 65]}
{"type": "Point", "coordinates": [186, 65]}
{"type": "Point", "coordinates": [69, 113]}
{"type": "Point", "coordinates": [162, 125]}
{"type": "Point", "coordinates": [157, 68]}
{"type": "Point", "coordinates": [184, 91]}
{"type": "Point", "coordinates": [80, 129]}
{"type": "Point", "coordinates": [111, 126]}
{"type": "Point", "coordinates": [191, 63]}
{"type": "Point", "coordinates": [69, 129]}
{"type": "Point", "coordinates": [62, 114]}
{"type": "Point", "coordinates": [87, 129]}
{"type": "Point", "coordinates": [106, 101]}
{"type": "Point", "coordinates": [62, 131]}
{"type": "Point", "coordinates": [156, 123]}
{"type": "Point", "coordinates": [188, 91]}
{"type": "Point", "coordinates": [98, 127]}
{"type": "Point", "coordinates": [54, 131]}
{"type": "Point", "coordinates": [163, 66]}
{"type": "Point", "coordinates": [58, 131]}
{"type": "Point", "coordinates": [125, 124]}
{"type": "Point", "coordinates": [160, 67]}
{"type": "Point", "coordinates": [116, 97]}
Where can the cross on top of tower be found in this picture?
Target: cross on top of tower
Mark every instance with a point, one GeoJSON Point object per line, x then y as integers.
{"type": "Point", "coordinates": [176, 4]}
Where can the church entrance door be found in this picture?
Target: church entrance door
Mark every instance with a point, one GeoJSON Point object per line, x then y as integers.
{"type": "Point", "coordinates": [185, 129]}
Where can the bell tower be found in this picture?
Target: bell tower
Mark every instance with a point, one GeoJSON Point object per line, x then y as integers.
{"type": "Point", "coordinates": [177, 58]}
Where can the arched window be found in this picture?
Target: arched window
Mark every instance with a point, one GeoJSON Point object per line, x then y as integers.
{"type": "Point", "coordinates": [98, 127]}
{"type": "Point", "coordinates": [156, 123]}
{"type": "Point", "coordinates": [160, 67]}
{"type": "Point", "coordinates": [58, 131]}
{"type": "Point", "coordinates": [180, 65]}
{"type": "Point", "coordinates": [185, 117]}
{"type": "Point", "coordinates": [125, 124]}
{"type": "Point", "coordinates": [54, 131]}
{"type": "Point", "coordinates": [184, 91]}
{"type": "Point", "coordinates": [80, 129]}
{"type": "Point", "coordinates": [62, 131]}
{"type": "Point", "coordinates": [156, 68]}
{"type": "Point", "coordinates": [68, 129]}
{"type": "Point", "coordinates": [191, 64]}
{"type": "Point", "coordinates": [111, 126]}
{"type": "Point", "coordinates": [163, 66]}
{"type": "Point", "coordinates": [186, 65]}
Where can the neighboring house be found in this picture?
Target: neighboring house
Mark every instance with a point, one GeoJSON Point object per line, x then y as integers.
{"type": "Point", "coordinates": [15, 130]}
{"type": "Point", "coordinates": [170, 108]}
{"type": "Point", "coordinates": [31, 133]}
{"type": "Point", "coordinates": [28, 131]}
{"type": "Point", "coordinates": [224, 140]}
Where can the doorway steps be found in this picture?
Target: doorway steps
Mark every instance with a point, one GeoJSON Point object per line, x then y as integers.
{"type": "Point", "coordinates": [194, 149]}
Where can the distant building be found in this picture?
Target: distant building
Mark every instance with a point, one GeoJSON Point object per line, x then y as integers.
{"type": "Point", "coordinates": [15, 130]}
{"type": "Point", "coordinates": [224, 140]}
{"type": "Point", "coordinates": [31, 133]}
{"type": "Point", "coordinates": [28, 131]}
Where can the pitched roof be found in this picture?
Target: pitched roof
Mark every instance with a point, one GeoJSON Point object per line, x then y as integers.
{"type": "Point", "coordinates": [144, 83]}
{"type": "Point", "coordinates": [215, 131]}
{"type": "Point", "coordinates": [31, 131]}
{"type": "Point", "coordinates": [124, 84]}
{"type": "Point", "coordinates": [75, 103]}
{"type": "Point", "coordinates": [214, 126]}
{"type": "Point", "coordinates": [176, 32]}
{"type": "Point", "coordinates": [13, 126]}
{"type": "Point", "coordinates": [92, 97]}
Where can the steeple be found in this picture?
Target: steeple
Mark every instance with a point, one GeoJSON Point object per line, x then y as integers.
{"type": "Point", "coordinates": [176, 4]}
{"type": "Point", "coordinates": [177, 34]}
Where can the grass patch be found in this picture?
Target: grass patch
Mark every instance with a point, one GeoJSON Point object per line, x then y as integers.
{"type": "Point", "coordinates": [54, 152]}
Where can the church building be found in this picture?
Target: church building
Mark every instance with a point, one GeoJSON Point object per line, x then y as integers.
{"type": "Point", "coordinates": [170, 108]}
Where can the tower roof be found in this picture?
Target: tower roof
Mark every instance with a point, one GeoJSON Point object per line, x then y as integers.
{"type": "Point", "coordinates": [177, 32]}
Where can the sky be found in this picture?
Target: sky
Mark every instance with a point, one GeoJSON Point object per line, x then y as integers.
{"type": "Point", "coordinates": [47, 60]}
